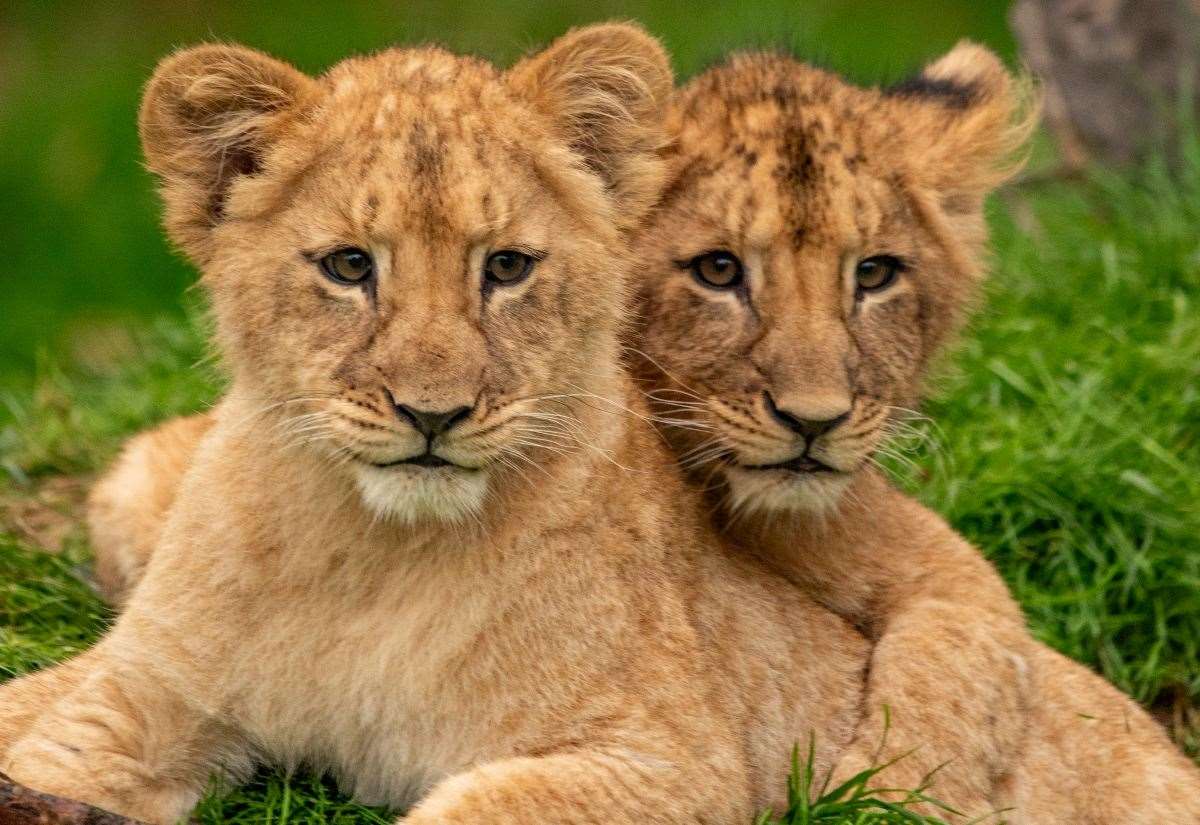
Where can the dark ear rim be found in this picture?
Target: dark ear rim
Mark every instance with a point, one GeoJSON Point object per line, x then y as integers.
{"type": "Point", "coordinates": [966, 75]}
{"type": "Point", "coordinates": [977, 118]}
{"type": "Point", "coordinates": [950, 93]}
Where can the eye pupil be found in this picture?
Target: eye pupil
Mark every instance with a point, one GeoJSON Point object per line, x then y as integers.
{"type": "Point", "coordinates": [877, 273]}
{"type": "Point", "coordinates": [721, 270]}
{"type": "Point", "coordinates": [507, 266]}
{"type": "Point", "coordinates": [347, 266]}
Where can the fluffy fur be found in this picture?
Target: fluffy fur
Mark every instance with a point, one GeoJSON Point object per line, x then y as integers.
{"type": "Point", "coordinates": [802, 176]}
{"type": "Point", "coordinates": [568, 643]}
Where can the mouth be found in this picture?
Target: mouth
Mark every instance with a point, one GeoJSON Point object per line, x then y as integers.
{"type": "Point", "coordinates": [801, 464]}
{"type": "Point", "coordinates": [427, 460]}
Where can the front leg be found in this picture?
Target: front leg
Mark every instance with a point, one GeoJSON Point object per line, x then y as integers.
{"type": "Point", "coordinates": [583, 786]}
{"type": "Point", "coordinates": [952, 695]}
{"type": "Point", "coordinates": [126, 739]}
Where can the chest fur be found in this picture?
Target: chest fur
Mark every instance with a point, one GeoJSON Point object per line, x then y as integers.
{"type": "Point", "coordinates": [395, 675]}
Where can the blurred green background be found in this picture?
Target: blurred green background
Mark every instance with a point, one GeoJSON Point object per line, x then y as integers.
{"type": "Point", "coordinates": [85, 260]}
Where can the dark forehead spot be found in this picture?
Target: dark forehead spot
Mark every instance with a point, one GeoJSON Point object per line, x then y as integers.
{"type": "Point", "coordinates": [368, 161]}
{"type": "Point", "coordinates": [371, 210]}
{"type": "Point", "coordinates": [797, 166]}
{"type": "Point", "coordinates": [425, 152]}
{"type": "Point", "coordinates": [936, 90]}
{"type": "Point", "coordinates": [784, 95]}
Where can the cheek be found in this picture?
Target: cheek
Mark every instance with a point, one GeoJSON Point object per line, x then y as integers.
{"type": "Point", "coordinates": [700, 339]}
{"type": "Point", "coordinates": [889, 342]}
{"type": "Point", "coordinates": [536, 336]}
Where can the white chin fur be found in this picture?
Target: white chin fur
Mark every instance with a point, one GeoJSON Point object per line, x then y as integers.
{"type": "Point", "coordinates": [413, 494]}
{"type": "Point", "coordinates": [779, 490]}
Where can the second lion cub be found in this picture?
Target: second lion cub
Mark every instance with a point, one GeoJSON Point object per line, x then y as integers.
{"type": "Point", "coordinates": [816, 247]}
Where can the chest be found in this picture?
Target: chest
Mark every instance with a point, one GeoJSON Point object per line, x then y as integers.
{"type": "Point", "coordinates": [395, 678]}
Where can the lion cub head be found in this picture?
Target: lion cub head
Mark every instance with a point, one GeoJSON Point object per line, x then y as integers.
{"type": "Point", "coordinates": [816, 247]}
{"type": "Point", "coordinates": [415, 261]}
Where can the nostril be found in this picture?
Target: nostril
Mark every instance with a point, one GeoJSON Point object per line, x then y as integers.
{"type": "Point", "coordinates": [783, 417]}
{"type": "Point", "coordinates": [408, 415]}
{"type": "Point", "coordinates": [810, 428]}
{"type": "Point", "coordinates": [456, 416]}
{"type": "Point", "coordinates": [431, 423]}
{"type": "Point", "coordinates": [819, 428]}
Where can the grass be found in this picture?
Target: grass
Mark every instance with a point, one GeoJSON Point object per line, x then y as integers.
{"type": "Point", "coordinates": [1066, 439]}
{"type": "Point", "coordinates": [1069, 436]}
{"type": "Point", "coordinates": [860, 800]}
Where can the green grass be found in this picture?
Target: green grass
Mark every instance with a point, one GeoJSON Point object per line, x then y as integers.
{"type": "Point", "coordinates": [1069, 435]}
{"type": "Point", "coordinates": [863, 799]}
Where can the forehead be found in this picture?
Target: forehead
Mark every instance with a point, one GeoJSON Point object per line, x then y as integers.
{"type": "Point", "coordinates": [771, 149]}
{"type": "Point", "coordinates": [418, 133]}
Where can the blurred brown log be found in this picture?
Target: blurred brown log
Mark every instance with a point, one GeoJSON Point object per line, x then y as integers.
{"type": "Point", "coordinates": [21, 806]}
{"type": "Point", "coordinates": [1113, 71]}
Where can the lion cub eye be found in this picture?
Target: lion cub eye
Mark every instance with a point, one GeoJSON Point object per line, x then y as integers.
{"type": "Point", "coordinates": [721, 270]}
{"type": "Point", "coordinates": [877, 273]}
{"type": "Point", "coordinates": [507, 267]}
{"type": "Point", "coordinates": [348, 266]}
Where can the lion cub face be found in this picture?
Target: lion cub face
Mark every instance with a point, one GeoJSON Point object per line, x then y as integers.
{"type": "Point", "coordinates": [814, 249]}
{"type": "Point", "coordinates": [415, 259]}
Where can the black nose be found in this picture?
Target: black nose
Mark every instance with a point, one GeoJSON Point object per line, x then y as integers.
{"type": "Point", "coordinates": [809, 428]}
{"type": "Point", "coordinates": [430, 423]}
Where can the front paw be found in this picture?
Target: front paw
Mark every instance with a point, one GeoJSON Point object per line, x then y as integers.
{"type": "Point", "coordinates": [60, 770]}
{"type": "Point", "coordinates": [48, 768]}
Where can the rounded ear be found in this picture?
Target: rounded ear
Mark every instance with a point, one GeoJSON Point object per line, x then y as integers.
{"type": "Point", "coordinates": [971, 119]}
{"type": "Point", "coordinates": [208, 115]}
{"type": "Point", "coordinates": [606, 88]}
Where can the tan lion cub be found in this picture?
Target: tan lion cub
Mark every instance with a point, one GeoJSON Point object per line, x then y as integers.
{"type": "Point", "coordinates": [816, 246]}
{"type": "Point", "coordinates": [413, 549]}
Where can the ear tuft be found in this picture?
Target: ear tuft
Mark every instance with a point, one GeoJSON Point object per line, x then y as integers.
{"type": "Point", "coordinates": [606, 88]}
{"type": "Point", "coordinates": [208, 115]}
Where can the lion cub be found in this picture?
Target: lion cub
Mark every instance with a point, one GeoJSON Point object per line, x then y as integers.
{"type": "Point", "coordinates": [815, 248]}
{"type": "Point", "coordinates": [410, 548]}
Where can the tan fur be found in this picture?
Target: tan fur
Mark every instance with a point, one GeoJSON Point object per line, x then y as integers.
{"type": "Point", "coordinates": [552, 636]}
{"type": "Point", "coordinates": [801, 176]}
{"type": "Point", "coordinates": [128, 506]}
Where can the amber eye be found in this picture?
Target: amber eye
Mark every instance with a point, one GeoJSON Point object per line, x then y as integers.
{"type": "Point", "coordinates": [348, 266]}
{"type": "Point", "coordinates": [877, 273]}
{"type": "Point", "coordinates": [721, 270]}
{"type": "Point", "coordinates": [507, 266]}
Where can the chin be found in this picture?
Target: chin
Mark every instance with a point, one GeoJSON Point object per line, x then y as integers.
{"type": "Point", "coordinates": [418, 494]}
{"type": "Point", "coordinates": [760, 492]}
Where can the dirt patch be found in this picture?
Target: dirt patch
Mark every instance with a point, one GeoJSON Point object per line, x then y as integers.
{"type": "Point", "coordinates": [46, 515]}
